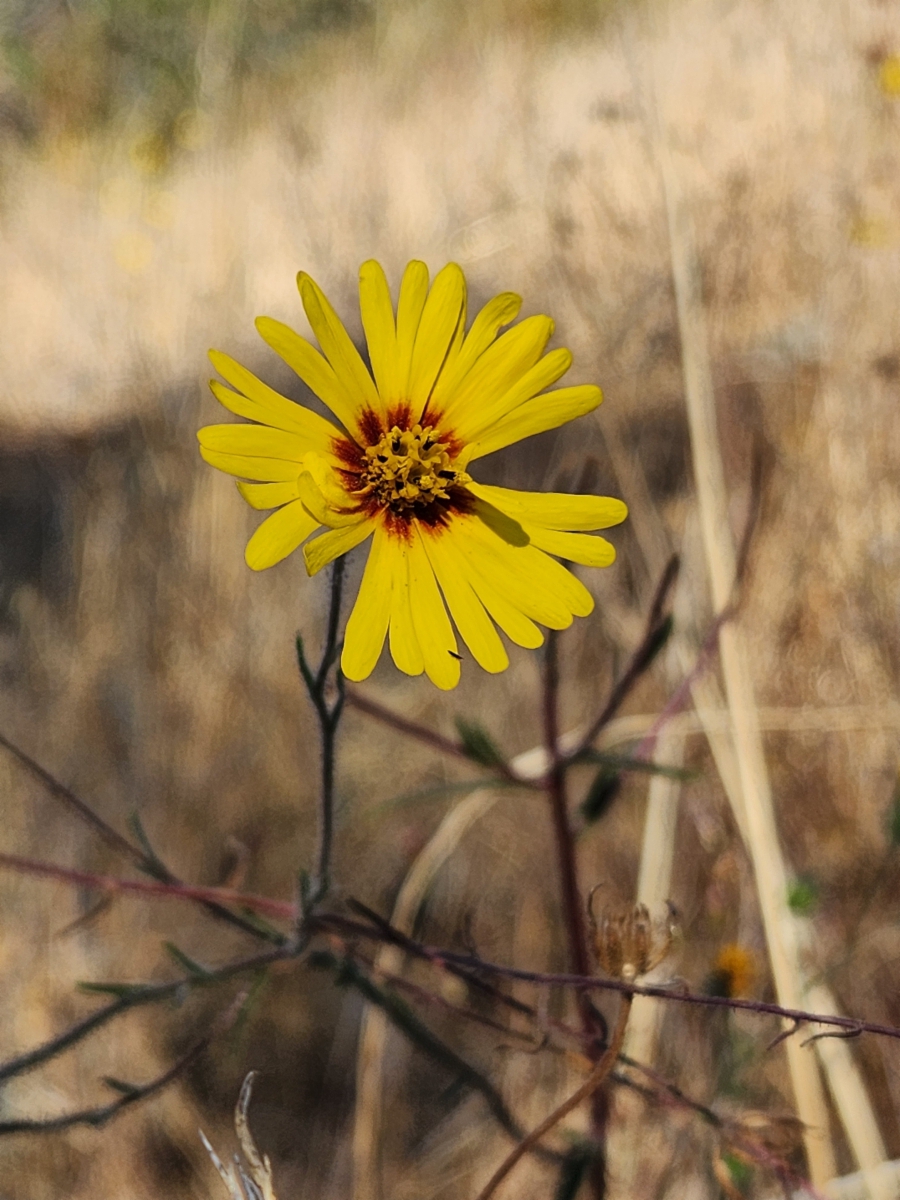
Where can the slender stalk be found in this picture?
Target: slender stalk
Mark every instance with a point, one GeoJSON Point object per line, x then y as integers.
{"type": "Point", "coordinates": [573, 909]}
{"type": "Point", "coordinates": [589, 1088]}
{"type": "Point", "coordinates": [592, 1021]}
{"type": "Point", "coordinates": [844, 1026]}
{"type": "Point", "coordinates": [145, 859]}
{"type": "Point", "coordinates": [329, 714]}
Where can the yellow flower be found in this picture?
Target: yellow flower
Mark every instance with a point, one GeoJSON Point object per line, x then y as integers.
{"type": "Point", "coordinates": [397, 470]}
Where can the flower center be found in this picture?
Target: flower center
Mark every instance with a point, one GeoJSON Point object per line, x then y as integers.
{"type": "Point", "coordinates": [408, 469]}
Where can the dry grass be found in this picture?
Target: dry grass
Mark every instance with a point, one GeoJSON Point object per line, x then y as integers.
{"type": "Point", "coordinates": [142, 662]}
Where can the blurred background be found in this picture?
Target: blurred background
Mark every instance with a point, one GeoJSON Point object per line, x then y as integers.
{"type": "Point", "coordinates": [166, 167]}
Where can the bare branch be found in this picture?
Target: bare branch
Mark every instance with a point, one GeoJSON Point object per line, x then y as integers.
{"type": "Point", "coordinates": [160, 890]}
{"type": "Point", "coordinates": [132, 997]}
{"type": "Point", "coordinates": [148, 863]}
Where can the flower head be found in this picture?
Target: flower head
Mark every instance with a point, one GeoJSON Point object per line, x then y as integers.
{"type": "Point", "coordinates": [396, 470]}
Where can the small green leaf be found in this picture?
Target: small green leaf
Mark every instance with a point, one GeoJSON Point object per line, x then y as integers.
{"type": "Point", "coordinates": [478, 744]}
{"type": "Point", "coordinates": [108, 989]}
{"type": "Point", "coordinates": [803, 895]}
{"type": "Point", "coordinates": [606, 786]}
{"type": "Point", "coordinates": [741, 1172]}
{"type": "Point", "coordinates": [894, 815]}
{"type": "Point", "coordinates": [661, 635]}
{"type": "Point", "coordinates": [624, 762]}
{"type": "Point", "coordinates": [119, 1085]}
{"type": "Point", "coordinates": [574, 1170]}
{"type": "Point", "coordinates": [194, 969]}
{"type": "Point", "coordinates": [155, 866]}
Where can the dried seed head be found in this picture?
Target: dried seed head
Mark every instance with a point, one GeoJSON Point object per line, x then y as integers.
{"type": "Point", "coordinates": [629, 942]}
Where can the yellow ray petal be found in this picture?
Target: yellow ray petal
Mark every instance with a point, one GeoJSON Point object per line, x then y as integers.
{"type": "Point", "coordinates": [430, 621]}
{"type": "Point", "coordinates": [413, 294]}
{"type": "Point", "coordinates": [337, 345]}
{"type": "Point", "coordinates": [535, 416]}
{"type": "Point", "coordinates": [495, 314]}
{"type": "Point", "coordinates": [437, 328]}
{"type": "Point", "coordinates": [506, 570]}
{"type": "Point", "coordinates": [311, 495]}
{"type": "Point", "coordinates": [586, 548]}
{"type": "Point", "coordinates": [504, 526]}
{"type": "Point", "coordinates": [554, 510]}
{"type": "Point", "coordinates": [279, 535]}
{"type": "Point", "coordinates": [315, 371]}
{"type": "Point", "coordinates": [246, 466]}
{"type": "Point", "coordinates": [545, 578]}
{"type": "Point", "coordinates": [368, 623]}
{"type": "Point", "coordinates": [471, 620]}
{"type": "Point", "coordinates": [381, 333]}
{"type": "Point", "coordinates": [262, 403]}
{"type": "Point", "coordinates": [517, 627]}
{"type": "Point", "coordinates": [257, 441]}
{"type": "Point", "coordinates": [405, 649]}
{"type": "Point", "coordinates": [456, 345]}
{"type": "Point", "coordinates": [475, 421]}
{"type": "Point", "coordinates": [498, 369]}
{"type": "Point", "coordinates": [331, 545]}
{"type": "Point", "coordinates": [268, 495]}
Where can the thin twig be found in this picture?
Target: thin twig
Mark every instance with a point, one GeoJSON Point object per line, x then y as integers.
{"type": "Point", "coordinates": [133, 997]}
{"type": "Point", "coordinates": [396, 937]}
{"type": "Point", "coordinates": [408, 1023]}
{"type": "Point", "coordinates": [573, 906]}
{"type": "Point", "coordinates": [149, 864]}
{"type": "Point", "coordinates": [654, 634]}
{"type": "Point", "coordinates": [428, 737]}
{"type": "Point", "coordinates": [593, 1082]}
{"type": "Point", "coordinates": [144, 887]}
{"type": "Point", "coordinates": [588, 983]}
{"type": "Point", "coordinates": [129, 1093]}
{"type": "Point", "coordinates": [103, 1113]}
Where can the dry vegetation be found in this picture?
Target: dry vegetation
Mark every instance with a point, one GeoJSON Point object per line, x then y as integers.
{"type": "Point", "coordinates": [144, 664]}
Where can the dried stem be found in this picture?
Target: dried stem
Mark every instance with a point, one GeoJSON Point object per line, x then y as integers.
{"type": "Point", "coordinates": [655, 633]}
{"type": "Point", "coordinates": [592, 1021]}
{"type": "Point", "coordinates": [111, 884]}
{"type": "Point", "coordinates": [428, 737]}
{"type": "Point", "coordinates": [101, 1114]}
{"type": "Point", "coordinates": [128, 997]}
{"type": "Point", "coordinates": [590, 1086]}
{"type": "Point", "coordinates": [587, 983]}
{"type": "Point", "coordinates": [147, 862]}
{"type": "Point", "coordinates": [573, 907]}
{"type": "Point", "coordinates": [129, 1093]}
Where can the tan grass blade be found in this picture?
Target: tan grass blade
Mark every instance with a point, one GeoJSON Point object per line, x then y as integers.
{"type": "Point", "coordinates": [375, 1027]}
{"type": "Point", "coordinates": [654, 880]}
{"type": "Point", "coordinates": [753, 801]}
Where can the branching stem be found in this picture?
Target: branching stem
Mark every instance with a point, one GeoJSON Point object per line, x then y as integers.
{"type": "Point", "coordinates": [329, 714]}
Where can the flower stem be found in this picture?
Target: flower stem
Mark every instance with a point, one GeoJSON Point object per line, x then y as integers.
{"type": "Point", "coordinates": [329, 715]}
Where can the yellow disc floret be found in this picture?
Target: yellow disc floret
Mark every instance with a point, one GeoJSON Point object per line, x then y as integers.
{"type": "Point", "coordinates": [409, 468]}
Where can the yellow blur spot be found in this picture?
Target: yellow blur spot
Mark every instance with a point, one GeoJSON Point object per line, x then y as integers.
{"type": "Point", "coordinates": [134, 252]}
{"type": "Point", "coordinates": [119, 197]}
{"type": "Point", "coordinates": [192, 129]}
{"type": "Point", "coordinates": [735, 970]}
{"type": "Point", "coordinates": [871, 232]}
{"type": "Point", "coordinates": [889, 75]}
{"type": "Point", "coordinates": [150, 155]}
{"type": "Point", "coordinates": [160, 210]}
